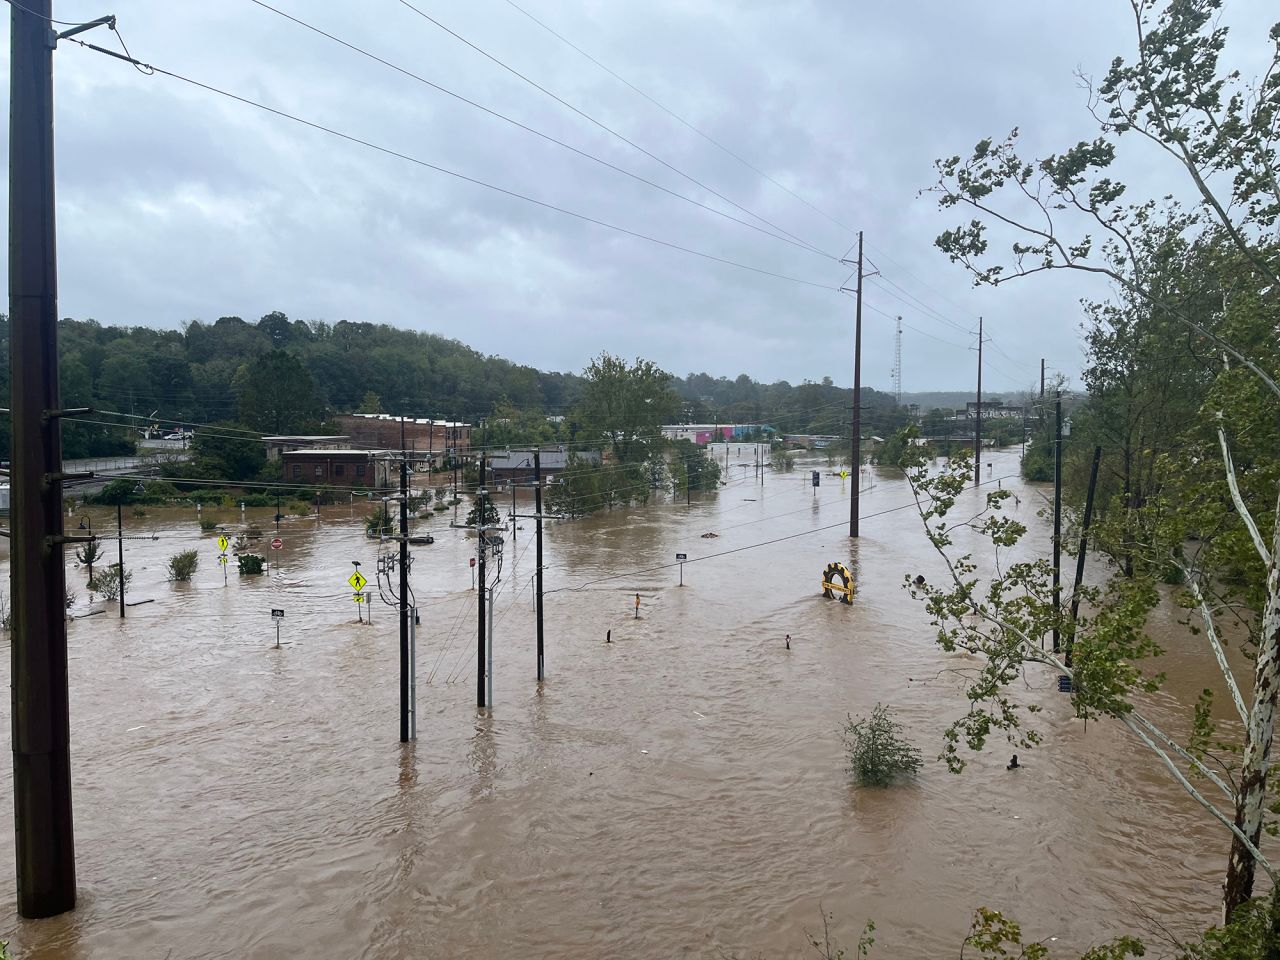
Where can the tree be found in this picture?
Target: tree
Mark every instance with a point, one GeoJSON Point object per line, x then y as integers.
{"type": "Point", "coordinates": [1221, 132]}
{"type": "Point", "coordinates": [277, 394]}
{"type": "Point", "coordinates": [227, 451]}
{"type": "Point", "coordinates": [625, 406]}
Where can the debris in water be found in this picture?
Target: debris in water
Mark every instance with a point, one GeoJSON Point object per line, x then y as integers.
{"type": "Point", "coordinates": [710, 536]}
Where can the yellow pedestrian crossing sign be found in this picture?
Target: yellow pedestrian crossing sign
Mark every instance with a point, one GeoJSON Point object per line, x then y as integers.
{"type": "Point", "coordinates": [223, 543]}
{"type": "Point", "coordinates": [357, 581]}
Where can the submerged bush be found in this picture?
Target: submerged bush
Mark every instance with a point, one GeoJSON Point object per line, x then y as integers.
{"type": "Point", "coordinates": [250, 564]}
{"type": "Point", "coordinates": [878, 752]}
{"type": "Point", "coordinates": [107, 582]}
{"type": "Point", "coordinates": [182, 566]}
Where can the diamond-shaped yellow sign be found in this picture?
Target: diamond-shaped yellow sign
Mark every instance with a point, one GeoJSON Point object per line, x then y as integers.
{"type": "Point", "coordinates": [223, 543]}
{"type": "Point", "coordinates": [357, 580]}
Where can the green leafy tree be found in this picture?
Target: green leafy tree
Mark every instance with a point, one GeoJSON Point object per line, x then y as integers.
{"type": "Point", "coordinates": [1066, 211]}
{"type": "Point", "coordinates": [227, 451]}
{"type": "Point", "coordinates": [625, 406]}
{"type": "Point", "coordinates": [276, 394]}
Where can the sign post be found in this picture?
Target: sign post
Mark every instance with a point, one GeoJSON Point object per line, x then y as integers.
{"type": "Point", "coordinates": [223, 543]}
{"type": "Point", "coordinates": [277, 614]}
{"type": "Point", "coordinates": [682, 557]}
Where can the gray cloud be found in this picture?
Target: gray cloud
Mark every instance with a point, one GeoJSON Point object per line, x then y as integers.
{"type": "Point", "coordinates": [175, 204]}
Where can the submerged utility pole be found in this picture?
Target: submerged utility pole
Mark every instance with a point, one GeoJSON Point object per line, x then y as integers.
{"type": "Point", "coordinates": [537, 509]}
{"type": "Point", "coordinates": [404, 589]}
{"type": "Point", "coordinates": [1057, 519]}
{"type": "Point", "coordinates": [977, 425]}
{"type": "Point", "coordinates": [483, 584]}
{"type": "Point", "coordinates": [120, 551]}
{"type": "Point", "coordinates": [856, 432]}
{"type": "Point", "coordinates": [45, 845]}
{"type": "Point", "coordinates": [1084, 548]}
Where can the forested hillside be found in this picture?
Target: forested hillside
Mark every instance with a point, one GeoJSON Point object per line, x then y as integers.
{"type": "Point", "coordinates": [278, 374]}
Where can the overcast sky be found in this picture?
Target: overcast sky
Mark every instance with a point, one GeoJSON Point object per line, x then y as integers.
{"type": "Point", "coordinates": [176, 204]}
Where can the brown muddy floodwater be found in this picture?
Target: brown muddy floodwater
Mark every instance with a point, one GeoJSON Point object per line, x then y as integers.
{"type": "Point", "coordinates": [676, 793]}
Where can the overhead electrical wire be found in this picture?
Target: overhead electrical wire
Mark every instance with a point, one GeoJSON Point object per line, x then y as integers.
{"type": "Point", "coordinates": [605, 127]}
{"type": "Point", "coordinates": [667, 110]}
{"type": "Point", "coordinates": [409, 158]}
{"type": "Point", "coordinates": [537, 133]}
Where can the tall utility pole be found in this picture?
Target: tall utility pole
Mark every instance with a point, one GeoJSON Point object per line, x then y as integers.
{"type": "Point", "coordinates": [120, 551]}
{"type": "Point", "coordinates": [977, 423]}
{"type": "Point", "coordinates": [1042, 380]}
{"type": "Point", "coordinates": [484, 585]}
{"type": "Point", "coordinates": [1057, 517]}
{"type": "Point", "coordinates": [404, 588]}
{"type": "Point", "coordinates": [856, 435]}
{"type": "Point", "coordinates": [45, 846]}
{"type": "Point", "coordinates": [1084, 548]}
{"type": "Point", "coordinates": [897, 364]}
{"type": "Point", "coordinates": [537, 555]}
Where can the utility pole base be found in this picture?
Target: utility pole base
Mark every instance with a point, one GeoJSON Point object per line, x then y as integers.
{"type": "Point", "coordinates": [46, 864]}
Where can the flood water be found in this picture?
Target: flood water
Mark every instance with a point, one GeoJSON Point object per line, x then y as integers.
{"type": "Point", "coordinates": [677, 792]}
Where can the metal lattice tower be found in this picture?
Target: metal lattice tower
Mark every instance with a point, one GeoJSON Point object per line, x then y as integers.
{"type": "Point", "coordinates": [897, 364]}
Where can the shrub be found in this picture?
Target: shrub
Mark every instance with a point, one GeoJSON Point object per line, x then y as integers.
{"type": "Point", "coordinates": [208, 525]}
{"type": "Point", "coordinates": [87, 554]}
{"type": "Point", "coordinates": [378, 523]}
{"type": "Point", "coordinates": [782, 461]}
{"type": "Point", "coordinates": [250, 564]}
{"type": "Point", "coordinates": [299, 508]}
{"type": "Point", "coordinates": [182, 566]}
{"type": "Point", "coordinates": [107, 582]}
{"type": "Point", "coordinates": [878, 752]}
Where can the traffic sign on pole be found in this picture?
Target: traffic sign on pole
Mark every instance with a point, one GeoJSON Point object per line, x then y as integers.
{"type": "Point", "coordinates": [276, 543]}
{"type": "Point", "coordinates": [357, 581]}
{"type": "Point", "coordinates": [223, 543]}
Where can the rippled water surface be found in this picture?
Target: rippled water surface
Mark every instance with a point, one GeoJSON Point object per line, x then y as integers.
{"type": "Point", "coordinates": [675, 793]}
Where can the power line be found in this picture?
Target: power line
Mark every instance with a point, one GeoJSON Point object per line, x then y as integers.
{"type": "Point", "coordinates": [388, 151]}
{"type": "Point", "coordinates": [605, 127]}
{"type": "Point", "coordinates": [706, 136]}
{"type": "Point", "coordinates": [537, 133]}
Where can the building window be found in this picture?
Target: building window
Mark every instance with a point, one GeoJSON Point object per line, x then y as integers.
{"type": "Point", "coordinates": [319, 471]}
{"type": "Point", "coordinates": [359, 469]}
{"type": "Point", "coordinates": [297, 471]}
{"type": "Point", "coordinates": [337, 469]}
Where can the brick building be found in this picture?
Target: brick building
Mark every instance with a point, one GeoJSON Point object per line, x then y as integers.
{"type": "Point", "coordinates": [339, 467]}
{"type": "Point", "coordinates": [435, 438]}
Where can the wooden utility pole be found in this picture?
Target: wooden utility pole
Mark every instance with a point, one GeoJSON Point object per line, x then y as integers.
{"type": "Point", "coordinates": [1057, 519]}
{"type": "Point", "coordinates": [45, 846]}
{"type": "Point", "coordinates": [977, 423]}
{"type": "Point", "coordinates": [856, 434]}
{"type": "Point", "coordinates": [537, 555]}
{"type": "Point", "coordinates": [404, 588]}
{"type": "Point", "coordinates": [483, 584]}
{"type": "Point", "coordinates": [1084, 548]}
{"type": "Point", "coordinates": [120, 550]}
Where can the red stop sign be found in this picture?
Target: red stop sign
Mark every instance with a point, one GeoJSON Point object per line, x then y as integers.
{"type": "Point", "coordinates": [276, 543]}
{"type": "Point", "coordinates": [471, 562]}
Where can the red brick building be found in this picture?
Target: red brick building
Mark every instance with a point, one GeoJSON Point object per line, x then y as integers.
{"type": "Point", "coordinates": [338, 467]}
{"type": "Point", "coordinates": [435, 438]}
